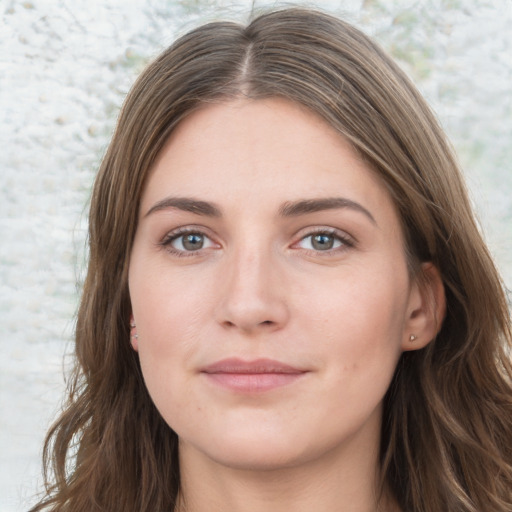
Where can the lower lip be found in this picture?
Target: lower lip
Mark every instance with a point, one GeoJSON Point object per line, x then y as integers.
{"type": "Point", "coordinates": [253, 382]}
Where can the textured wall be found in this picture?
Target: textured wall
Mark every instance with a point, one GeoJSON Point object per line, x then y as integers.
{"type": "Point", "coordinates": [65, 67]}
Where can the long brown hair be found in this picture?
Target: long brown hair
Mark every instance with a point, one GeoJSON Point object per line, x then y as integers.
{"type": "Point", "coordinates": [447, 430]}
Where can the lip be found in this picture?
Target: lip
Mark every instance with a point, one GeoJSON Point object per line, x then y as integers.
{"type": "Point", "coordinates": [252, 376]}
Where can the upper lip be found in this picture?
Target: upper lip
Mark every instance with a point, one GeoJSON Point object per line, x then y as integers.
{"type": "Point", "coordinates": [257, 366]}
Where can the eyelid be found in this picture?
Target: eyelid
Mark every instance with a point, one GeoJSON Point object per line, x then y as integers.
{"type": "Point", "coordinates": [347, 241]}
{"type": "Point", "coordinates": [170, 236]}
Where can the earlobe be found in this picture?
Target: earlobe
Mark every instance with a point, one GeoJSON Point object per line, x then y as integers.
{"type": "Point", "coordinates": [427, 308]}
{"type": "Point", "coordinates": [134, 337]}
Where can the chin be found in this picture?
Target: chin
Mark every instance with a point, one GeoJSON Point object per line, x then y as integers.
{"type": "Point", "coordinates": [256, 458]}
{"type": "Point", "coordinates": [251, 453]}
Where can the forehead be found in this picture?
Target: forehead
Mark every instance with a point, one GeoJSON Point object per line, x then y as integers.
{"type": "Point", "coordinates": [260, 151]}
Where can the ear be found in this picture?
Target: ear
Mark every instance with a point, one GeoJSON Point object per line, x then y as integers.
{"type": "Point", "coordinates": [134, 337]}
{"type": "Point", "coordinates": [426, 309]}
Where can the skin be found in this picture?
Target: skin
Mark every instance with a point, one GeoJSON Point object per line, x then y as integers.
{"type": "Point", "coordinates": [339, 308]}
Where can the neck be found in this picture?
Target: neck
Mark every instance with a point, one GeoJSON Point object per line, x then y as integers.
{"type": "Point", "coordinates": [331, 484]}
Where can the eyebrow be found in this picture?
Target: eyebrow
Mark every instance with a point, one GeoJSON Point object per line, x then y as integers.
{"type": "Point", "coordinates": [303, 207]}
{"type": "Point", "coordinates": [186, 204]}
{"type": "Point", "coordinates": [287, 209]}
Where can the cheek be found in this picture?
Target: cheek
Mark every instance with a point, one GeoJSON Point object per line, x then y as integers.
{"type": "Point", "coordinates": [357, 324]}
{"type": "Point", "coordinates": [168, 332]}
{"type": "Point", "coordinates": [165, 350]}
{"type": "Point", "coordinates": [358, 303]}
{"type": "Point", "coordinates": [170, 310]}
{"type": "Point", "coordinates": [167, 304]}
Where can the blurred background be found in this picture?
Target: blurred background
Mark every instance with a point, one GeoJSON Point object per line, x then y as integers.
{"type": "Point", "coordinates": [65, 67]}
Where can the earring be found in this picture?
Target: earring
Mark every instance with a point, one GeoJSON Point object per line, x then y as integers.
{"type": "Point", "coordinates": [133, 326]}
{"type": "Point", "coordinates": [413, 337]}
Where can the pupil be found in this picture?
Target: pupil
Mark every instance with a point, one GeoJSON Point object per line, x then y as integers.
{"type": "Point", "coordinates": [193, 242]}
{"type": "Point", "coordinates": [323, 242]}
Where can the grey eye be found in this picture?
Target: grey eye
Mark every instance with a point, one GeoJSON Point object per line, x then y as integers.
{"type": "Point", "coordinates": [193, 241]}
{"type": "Point", "coordinates": [322, 242]}
{"type": "Point", "coordinates": [190, 242]}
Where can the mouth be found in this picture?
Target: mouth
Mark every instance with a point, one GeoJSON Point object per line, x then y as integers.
{"type": "Point", "coordinates": [252, 376]}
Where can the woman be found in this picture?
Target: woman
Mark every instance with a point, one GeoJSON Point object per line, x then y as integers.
{"type": "Point", "coordinates": [288, 303]}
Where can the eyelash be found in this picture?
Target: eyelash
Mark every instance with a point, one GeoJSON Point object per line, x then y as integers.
{"type": "Point", "coordinates": [181, 232]}
{"type": "Point", "coordinates": [345, 241]}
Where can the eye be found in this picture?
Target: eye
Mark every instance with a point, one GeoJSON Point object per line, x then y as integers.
{"type": "Point", "coordinates": [323, 241]}
{"type": "Point", "coordinates": [187, 242]}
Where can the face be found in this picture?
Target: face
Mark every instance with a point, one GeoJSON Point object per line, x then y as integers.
{"type": "Point", "coordinates": [269, 287]}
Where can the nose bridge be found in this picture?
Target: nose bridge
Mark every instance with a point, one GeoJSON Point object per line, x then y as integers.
{"type": "Point", "coordinates": [251, 265]}
{"type": "Point", "coordinates": [253, 295]}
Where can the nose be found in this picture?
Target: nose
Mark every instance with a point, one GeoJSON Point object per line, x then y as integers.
{"type": "Point", "coordinates": [253, 297]}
